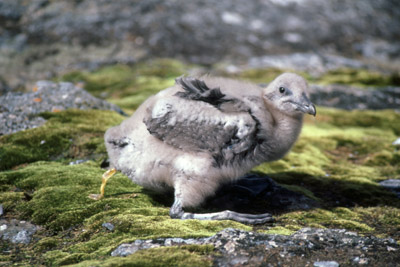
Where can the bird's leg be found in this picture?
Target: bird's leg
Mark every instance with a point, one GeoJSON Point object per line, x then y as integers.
{"type": "Point", "coordinates": [107, 175]}
{"type": "Point", "coordinates": [177, 212]}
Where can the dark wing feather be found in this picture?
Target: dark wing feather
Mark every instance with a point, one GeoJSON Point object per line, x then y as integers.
{"type": "Point", "coordinates": [231, 130]}
{"type": "Point", "coordinates": [196, 89]}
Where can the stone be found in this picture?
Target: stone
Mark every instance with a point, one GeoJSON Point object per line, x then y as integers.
{"type": "Point", "coordinates": [108, 226]}
{"type": "Point", "coordinates": [393, 184]}
{"type": "Point", "coordinates": [326, 264]}
{"type": "Point", "coordinates": [396, 142]}
{"type": "Point", "coordinates": [21, 237]}
{"type": "Point", "coordinates": [17, 232]}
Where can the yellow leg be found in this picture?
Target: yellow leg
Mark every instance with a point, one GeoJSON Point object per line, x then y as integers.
{"type": "Point", "coordinates": [107, 175]}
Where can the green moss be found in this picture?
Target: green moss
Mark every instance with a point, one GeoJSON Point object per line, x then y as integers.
{"type": "Point", "coordinates": [10, 200]}
{"type": "Point", "coordinates": [384, 219]}
{"type": "Point", "coordinates": [263, 75]}
{"type": "Point", "coordinates": [278, 230]}
{"type": "Point", "coordinates": [144, 88]}
{"type": "Point", "coordinates": [133, 83]}
{"type": "Point", "coordinates": [353, 77]}
{"type": "Point", "coordinates": [358, 77]}
{"type": "Point", "coordinates": [334, 218]}
{"type": "Point", "coordinates": [54, 258]}
{"type": "Point", "coordinates": [301, 190]}
{"type": "Point", "coordinates": [67, 134]}
{"type": "Point", "coordinates": [47, 243]}
{"type": "Point", "coordinates": [166, 256]}
{"type": "Point", "coordinates": [60, 202]}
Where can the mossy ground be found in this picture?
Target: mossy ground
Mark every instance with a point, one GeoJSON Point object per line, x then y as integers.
{"type": "Point", "coordinates": [338, 161]}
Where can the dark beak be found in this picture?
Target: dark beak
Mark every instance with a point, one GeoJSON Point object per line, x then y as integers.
{"type": "Point", "coordinates": [306, 106]}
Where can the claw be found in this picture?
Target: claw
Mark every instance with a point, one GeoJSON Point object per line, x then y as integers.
{"type": "Point", "coordinates": [107, 175]}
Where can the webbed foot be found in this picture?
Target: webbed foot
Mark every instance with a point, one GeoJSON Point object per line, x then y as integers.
{"type": "Point", "coordinates": [231, 215]}
{"type": "Point", "coordinates": [176, 212]}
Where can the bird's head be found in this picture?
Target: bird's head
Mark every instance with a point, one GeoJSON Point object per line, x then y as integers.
{"type": "Point", "coordinates": [287, 93]}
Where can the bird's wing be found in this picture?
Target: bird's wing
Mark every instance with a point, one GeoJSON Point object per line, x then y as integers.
{"type": "Point", "coordinates": [203, 119]}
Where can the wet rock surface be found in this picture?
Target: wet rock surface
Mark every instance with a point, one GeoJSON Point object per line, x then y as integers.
{"type": "Point", "coordinates": [20, 111]}
{"type": "Point", "coordinates": [306, 247]}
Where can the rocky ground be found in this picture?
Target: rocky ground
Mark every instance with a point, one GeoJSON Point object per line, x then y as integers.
{"type": "Point", "coordinates": [334, 197]}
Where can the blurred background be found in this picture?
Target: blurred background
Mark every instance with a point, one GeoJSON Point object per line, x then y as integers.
{"type": "Point", "coordinates": [44, 39]}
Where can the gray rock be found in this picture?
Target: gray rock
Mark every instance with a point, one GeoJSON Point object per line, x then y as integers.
{"type": "Point", "coordinates": [76, 162]}
{"type": "Point", "coordinates": [23, 237]}
{"type": "Point", "coordinates": [393, 185]}
{"type": "Point", "coordinates": [396, 142]}
{"type": "Point", "coordinates": [108, 226]}
{"type": "Point", "coordinates": [124, 250]}
{"type": "Point", "coordinates": [19, 111]}
{"type": "Point", "coordinates": [17, 232]}
{"type": "Point", "coordinates": [326, 264]}
{"type": "Point", "coordinates": [304, 246]}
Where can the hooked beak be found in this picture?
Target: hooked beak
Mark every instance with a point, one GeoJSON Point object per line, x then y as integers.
{"type": "Point", "coordinates": [306, 106]}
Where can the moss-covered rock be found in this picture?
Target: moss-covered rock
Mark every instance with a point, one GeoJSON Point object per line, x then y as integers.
{"type": "Point", "coordinates": [338, 161]}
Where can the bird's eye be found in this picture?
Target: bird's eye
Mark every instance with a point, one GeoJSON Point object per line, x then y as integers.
{"type": "Point", "coordinates": [282, 89]}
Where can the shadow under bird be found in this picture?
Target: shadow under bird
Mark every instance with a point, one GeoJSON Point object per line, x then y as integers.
{"type": "Point", "coordinates": [205, 132]}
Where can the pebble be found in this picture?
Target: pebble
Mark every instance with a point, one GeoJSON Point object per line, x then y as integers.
{"type": "Point", "coordinates": [393, 185]}
{"type": "Point", "coordinates": [396, 142]}
{"type": "Point", "coordinates": [79, 161]}
{"type": "Point", "coordinates": [326, 264]}
{"type": "Point", "coordinates": [108, 226]}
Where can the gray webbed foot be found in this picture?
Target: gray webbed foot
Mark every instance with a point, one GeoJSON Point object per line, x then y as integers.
{"type": "Point", "coordinates": [176, 212]}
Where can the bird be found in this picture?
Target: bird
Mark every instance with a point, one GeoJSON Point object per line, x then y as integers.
{"type": "Point", "coordinates": [204, 132]}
